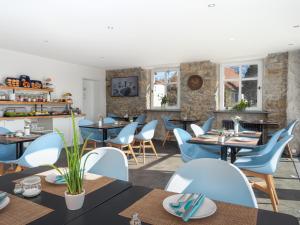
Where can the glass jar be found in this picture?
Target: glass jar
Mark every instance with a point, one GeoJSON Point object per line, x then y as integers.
{"type": "Point", "coordinates": [31, 186]}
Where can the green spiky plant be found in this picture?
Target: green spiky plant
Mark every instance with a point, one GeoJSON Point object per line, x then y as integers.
{"type": "Point", "coordinates": [73, 174]}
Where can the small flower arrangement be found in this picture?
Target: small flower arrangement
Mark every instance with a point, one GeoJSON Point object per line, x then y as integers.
{"type": "Point", "coordinates": [241, 106]}
{"type": "Point", "coordinates": [164, 100]}
{"type": "Point", "coordinates": [221, 132]}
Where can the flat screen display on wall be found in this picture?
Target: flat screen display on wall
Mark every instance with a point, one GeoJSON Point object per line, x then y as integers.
{"type": "Point", "coordinates": [124, 86]}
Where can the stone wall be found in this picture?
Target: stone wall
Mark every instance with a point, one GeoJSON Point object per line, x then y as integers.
{"type": "Point", "coordinates": [200, 103]}
{"type": "Point", "coordinates": [274, 87]}
{"type": "Point", "coordinates": [128, 105]}
{"type": "Point", "coordinates": [293, 93]}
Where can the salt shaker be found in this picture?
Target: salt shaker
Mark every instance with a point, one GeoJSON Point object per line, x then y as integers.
{"type": "Point", "coordinates": [135, 219]}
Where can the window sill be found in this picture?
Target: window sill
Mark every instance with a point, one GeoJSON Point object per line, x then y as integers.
{"type": "Point", "coordinates": [163, 110]}
{"type": "Point", "coordinates": [243, 112]}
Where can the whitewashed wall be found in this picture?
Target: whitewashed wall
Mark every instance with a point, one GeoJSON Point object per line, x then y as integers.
{"type": "Point", "coordinates": [67, 77]}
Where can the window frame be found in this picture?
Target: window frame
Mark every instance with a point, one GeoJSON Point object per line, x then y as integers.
{"type": "Point", "coordinates": [164, 69]}
{"type": "Point", "coordinates": [259, 64]}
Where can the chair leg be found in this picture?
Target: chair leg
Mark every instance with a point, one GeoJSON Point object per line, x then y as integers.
{"type": "Point", "coordinates": [1, 169]}
{"type": "Point", "coordinates": [153, 148]}
{"type": "Point", "coordinates": [166, 138]}
{"type": "Point", "coordinates": [132, 153]}
{"type": "Point", "coordinates": [268, 179]}
{"type": "Point", "coordinates": [288, 147]}
{"type": "Point", "coordinates": [144, 152]}
{"type": "Point", "coordinates": [274, 190]}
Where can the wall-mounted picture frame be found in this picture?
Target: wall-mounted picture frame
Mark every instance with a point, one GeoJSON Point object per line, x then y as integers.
{"type": "Point", "coordinates": [125, 86]}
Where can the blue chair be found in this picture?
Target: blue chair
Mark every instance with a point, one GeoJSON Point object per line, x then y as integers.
{"type": "Point", "coordinates": [207, 126]}
{"type": "Point", "coordinates": [191, 151]}
{"type": "Point", "coordinates": [124, 139]}
{"type": "Point", "coordinates": [144, 137]}
{"type": "Point", "coordinates": [7, 152]}
{"type": "Point", "coordinates": [112, 115]}
{"type": "Point", "coordinates": [106, 161]}
{"type": "Point", "coordinates": [216, 179]}
{"type": "Point", "coordinates": [169, 126]}
{"type": "Point", "coordinates": [45, 150]}
{"type": "Point", "coordinates": [94, 136]}
{"type": "Point", "coordinates": [264, 166]}
{"type": "Point", "coordinates": [141, 120]}
{"type": "Point", "coordinates": [262, 149]}
{"type": "Point", "coordinates": [111, 133]}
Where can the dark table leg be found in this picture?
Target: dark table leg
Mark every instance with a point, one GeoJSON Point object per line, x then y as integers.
{"type": "Point", "coordinates": [19, 149]}
{"type": "Point", "coordinates": [224, 150]}
{"type": "Point", "coordinates": [184, 126]}
{"type": "Point", "coordinates": [104, 137]}
{"type": "Point", "coordinates": [233, 154]}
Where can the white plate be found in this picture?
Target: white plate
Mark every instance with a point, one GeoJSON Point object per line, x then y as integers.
{"type": "Point", "coordinates": [242, 139]}
{"type": "Point", "coordinates": [249, 132]}
{"type": "Point", "coordinates": [206, 209]}
{"type": "Point", "coordinates": [50, 178]}
{"type": "Point", "coordinates": [4, 203]}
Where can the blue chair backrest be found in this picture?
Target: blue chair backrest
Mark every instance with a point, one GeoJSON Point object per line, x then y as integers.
{"type": "Point", "coordinates": [126, 135]}
{"type": "Point", "coordinates": [108, 120]}
{"type": "Point", "coordinates": [291, 126]}
{"type": "Point", "coordinates": [197, 130]}
{"type": "Point", "coordinates": [207, 126]}
{"type": "Point", "coordinates": [217, 179]}
{"type": "Point", "coordinates": [167, 123]}
{"type": "Point", "coordinates": [89, 133]}
{"type": "Point", "coordinates": [111, 115]}
{"type": "Point", "coordinates": [45, 150]}
{"type": "Point", "coordinates": [4, 130]}
{"type": "Point", "coordinates": [270, 161]}
{"type": "Point", "coordinates": [148, 130]}
{"type": "Point", "coordinates": [271, 143]}
{"type": "Point", "coordinates": [7, 152]}
{"type": "Point", "coordinates": [182, 137]}
{"type": "Point", "coordinates": [141, 119]}
{"type": "Point", "coordinates": [106, 161]}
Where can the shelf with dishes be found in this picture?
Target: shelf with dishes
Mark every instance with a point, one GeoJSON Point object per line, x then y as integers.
{"type": "Point", "coordinates": [35, 103]}
{"type": "Point", "coordinates": [45, 90]}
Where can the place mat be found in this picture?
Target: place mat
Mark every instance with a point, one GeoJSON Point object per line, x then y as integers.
{"type": "Point", "coordinates": [21, 211]}
{"type": "Point", "coordinates": [250, 134]}
{"type": "Point", "coordinates": [200, 139]}
{"type": "Point", "coordinates": [91, 183]}
{"type": "Point", "coordinates": [253, 141]}
{"type": "Point", "coordinates": [151, 211]}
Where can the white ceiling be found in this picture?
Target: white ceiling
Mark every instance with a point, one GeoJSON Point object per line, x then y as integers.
{"type": "Point", "coordinates": [149, 32]}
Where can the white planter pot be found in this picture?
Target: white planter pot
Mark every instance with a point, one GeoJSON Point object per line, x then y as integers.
{"type": "Point", "coordinates": [236, 129]}
{"type": "Point", "coordinates": [74, 202]}
{"type": "Point", "coordinates": [221, 139]}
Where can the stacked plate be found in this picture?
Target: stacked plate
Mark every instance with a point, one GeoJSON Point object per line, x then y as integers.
{"type": "Point", "coordinates": [4, 200]}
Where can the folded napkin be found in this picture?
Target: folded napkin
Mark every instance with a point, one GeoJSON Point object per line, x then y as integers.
{"type": "Point", "coordinates": [59, 179]}
{"type": "Point", "coordinates": [3, 195]}
{"type": "Point", "coordinates": [193, 207]}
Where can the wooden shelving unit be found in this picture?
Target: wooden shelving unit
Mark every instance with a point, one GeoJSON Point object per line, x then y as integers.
{"type": "Point", "coordinates": [45, 90]}
{"type": "Point", "coordinates": [33, 103]}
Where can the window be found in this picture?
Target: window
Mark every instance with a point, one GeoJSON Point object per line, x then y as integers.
{"type": "Point", "coordinates": [241, 81]}
{"type": "Point", "coordinates": [165, 82]}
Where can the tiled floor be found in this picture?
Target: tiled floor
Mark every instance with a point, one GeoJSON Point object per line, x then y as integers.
{"type": "Point", "coordinates": [156, 173]}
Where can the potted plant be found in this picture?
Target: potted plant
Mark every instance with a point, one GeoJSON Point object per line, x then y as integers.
{"type": "Point", "coordinates": [241, 106]}
{"type": "Point", "coordinates": [221, 136]}
{"type": "Point", "coordinates": [164, 100]}
{"type": "Point", "coordinates": [74, 173]}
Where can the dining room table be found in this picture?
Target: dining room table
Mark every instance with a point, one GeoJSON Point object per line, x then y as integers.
{"type": "Point", "coordinates": [184, 121]}
{"type": "Point", "coordinates": [18, 141]}
{"type": "Point", "coordinates": [113, 203]}
{"type": "Point", "coordinates": [105, 127]}
{"type": "Point", "coordinates": [247, 139]}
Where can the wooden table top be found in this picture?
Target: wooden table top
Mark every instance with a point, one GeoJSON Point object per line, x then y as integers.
{"type": "Point", "coordinates": [12, 140]}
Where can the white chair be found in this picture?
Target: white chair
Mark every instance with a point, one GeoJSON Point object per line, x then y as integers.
{"type": "Point", "coordinates": [106, 161]}
{"type": "Point", "coordinates": [197, 130]}
{"type": "Point", "coordinates": [216, 179]}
